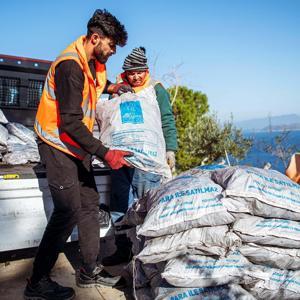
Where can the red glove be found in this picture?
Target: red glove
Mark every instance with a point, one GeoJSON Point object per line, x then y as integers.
{"type": "Point", "coordinates": [115, 158]}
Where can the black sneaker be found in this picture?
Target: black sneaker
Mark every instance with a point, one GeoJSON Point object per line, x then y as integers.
{"type": "Point", "coordinates": [97, 278]}
{"type": "Point", "coordinates": [46, 289]}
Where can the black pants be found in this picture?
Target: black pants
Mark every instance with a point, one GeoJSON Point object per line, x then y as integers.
{"type": "Point", "coordinates": [76, 202]}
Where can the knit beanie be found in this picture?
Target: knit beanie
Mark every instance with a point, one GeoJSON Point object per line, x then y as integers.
{"type": "Point", "coordinates": [136, 60]}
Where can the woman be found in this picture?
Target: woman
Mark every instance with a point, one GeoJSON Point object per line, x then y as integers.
{"type": "Point", "coordinates": [131, 183]}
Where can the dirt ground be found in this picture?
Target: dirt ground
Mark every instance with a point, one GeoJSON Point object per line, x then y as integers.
{"type": "Point", "coordinates": [15, 267]}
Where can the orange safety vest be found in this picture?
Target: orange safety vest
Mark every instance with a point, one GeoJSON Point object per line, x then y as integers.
{"type": "Point", "coordinates": [47, 122]}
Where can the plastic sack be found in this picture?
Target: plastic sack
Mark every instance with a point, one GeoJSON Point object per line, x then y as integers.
{"type": "Point", "coordinates": [221, 292]}
{"type": "Point", "coordinates": [132, 122]}
{"type": "Point", "coordinates": [15, 147]}
{"type": "Point", "coordinates": [24, 155]}
{"type": "Point", "coordinates": [274, 257]}
{"type": "Point", "coordinates": [254, 207]}
{"type": "Point", "coordinates": [269, 232]}
{"type": "Point", "coordinates": [3, 136]}
{"type": "Point", "coordinates": [272, 284]}
{"type": "Point", "coordinates": [3, 119]}
{"type": "Point", "coordinates": [137, 212]}
{"type": "Point", "coordinates": [183, 203]}
{"type": "Point", "coordinates": [204, 271]}
{"type": "Point", "coordinates": [3, 149]}
{"type": "Point", "coordinates": [26, 135]}
{"type": "Point", "coordinates": [266, 193]}
{"type": "Point", "coordinates": [13, 140]}
{"type": "Point", "coordinates": [201, 241]}
{"type": "Point", "coordinates": [204, 170]}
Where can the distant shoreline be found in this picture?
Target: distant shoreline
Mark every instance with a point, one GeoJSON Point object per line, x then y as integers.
{"type": "Point", "coordinates": [257, 155]}
{"type": "Point", "coordinates": [268, 131]}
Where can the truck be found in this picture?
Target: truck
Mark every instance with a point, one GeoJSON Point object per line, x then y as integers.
{"type": "Point", "coordinates": [25, 199]}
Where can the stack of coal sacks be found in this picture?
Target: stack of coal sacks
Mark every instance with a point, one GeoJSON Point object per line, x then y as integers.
{"type": "Point", "coordinates": [230, 233]}
{"type": "Point", "coordinates": [186, 249]}
{"type": "Point", "coordinates": [266, 205]}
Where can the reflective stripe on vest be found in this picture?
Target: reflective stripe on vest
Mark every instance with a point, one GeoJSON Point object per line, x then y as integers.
{"type": "Point", "coordinates": [54, 141]}
{"type": "Point", "coordinates": [48, 88]}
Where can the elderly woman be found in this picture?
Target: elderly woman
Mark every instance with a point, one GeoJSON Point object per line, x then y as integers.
{"type": "Point", "coordinates": [131, 183]}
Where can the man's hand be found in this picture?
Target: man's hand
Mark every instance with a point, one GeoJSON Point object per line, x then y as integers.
{"type": "Point", "coordinates": [115, 158]}
{"type": "Point", "coordinates": [120, 88]}
{"type": "Point", "coordinates": [170, 155]}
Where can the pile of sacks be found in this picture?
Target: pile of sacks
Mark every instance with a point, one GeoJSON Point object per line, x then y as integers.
{"type": "Point", "coordinates": [17, 143]}
{"type": "Point", "coordinates": [229, 233]}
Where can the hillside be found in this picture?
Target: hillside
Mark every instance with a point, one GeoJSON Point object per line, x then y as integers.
{"type": "Point", "coordinates": [288, 122]}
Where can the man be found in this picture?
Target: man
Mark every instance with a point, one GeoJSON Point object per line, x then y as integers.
{"type": "Point", "coordinates": [293, 169]}
{"type": "Point", "coordinates": [131, 183]}
{"type": "Point", "coordinates": [64, 124]}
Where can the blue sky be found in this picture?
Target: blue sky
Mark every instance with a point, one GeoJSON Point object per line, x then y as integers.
{"type": "Point", "coordinates": [245, 55]}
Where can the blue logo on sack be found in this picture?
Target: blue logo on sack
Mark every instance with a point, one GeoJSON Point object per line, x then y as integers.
{"type": "Point", "coordinates": [131, 112]}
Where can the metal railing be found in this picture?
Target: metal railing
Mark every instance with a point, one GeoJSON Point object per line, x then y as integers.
{"type": "Point", "coordinates": [15, 92]}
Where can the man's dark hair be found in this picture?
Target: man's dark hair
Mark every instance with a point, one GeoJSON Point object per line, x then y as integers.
{"type": "Point", "coordinates": [107, 25]}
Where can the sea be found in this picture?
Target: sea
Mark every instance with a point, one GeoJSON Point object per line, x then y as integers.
{"type": "Point", "coordinates": [272, 147]}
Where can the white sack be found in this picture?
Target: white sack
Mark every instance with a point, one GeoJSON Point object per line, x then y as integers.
{"type": "Point", "coordinates": [12, 147]}
{"type": "Point", "coordinates": [3, 136]}
{"type": "Point", "coordinates": [272, 232]}
{"type": "Point", "coordinates": [3, 149]}
{"type": "Point", "coordinates": [201, 241]}
{"type": "Point", "coordinates": [222, 292]}
{"type": "Point", "coordinates": [22, 156]}
{"type": "Point", "coordinates": [266, 193]}
{"type": "Point", "coordinates": [132, 122]}
{"type": "Point", "coordinates": [204, 271]}
{"type": "Point", "coordinates": [275, 257]}
{"type": "Point", "coordinates": [201, 170]}
{"type": "Point", "coordinates": [22, 132]}
{"type": "Point", "coordinates": [272, 284]}
{"type": "Point", "coordinates": [137, 212]}
{"type": "Point", "coordinates": [184, 203]}
{"type": "Point", "coordinates": [13, 140]}
{"type": "Point", "coordinates": [3, 119]}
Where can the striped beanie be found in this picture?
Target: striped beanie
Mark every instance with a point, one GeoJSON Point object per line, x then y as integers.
{"type": "Point", "coordinates": [136, 60]}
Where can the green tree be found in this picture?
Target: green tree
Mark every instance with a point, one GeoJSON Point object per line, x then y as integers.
{"type": "Point", "coordinates": [208, 141]}
{"type": "Point", "coordinates": [201, 137]}
{"type": "Point", "coordinates": [187, 107]}
{"type": "Point", "coordinates": [280, 148]}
